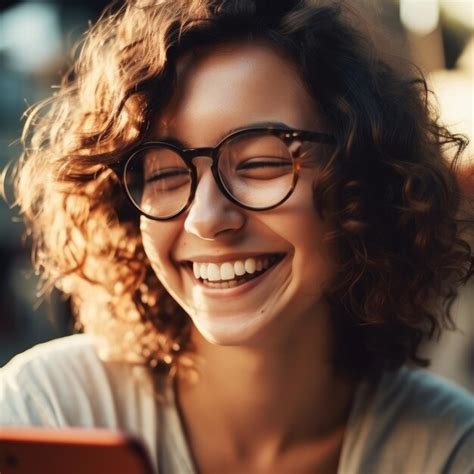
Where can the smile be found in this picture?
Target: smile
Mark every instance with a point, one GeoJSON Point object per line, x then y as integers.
{"type": "Point", "coordinates": [234, 273]}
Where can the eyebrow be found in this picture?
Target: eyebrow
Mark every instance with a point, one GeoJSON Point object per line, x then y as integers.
{"type": "Point", "coordinates": [175, 141]}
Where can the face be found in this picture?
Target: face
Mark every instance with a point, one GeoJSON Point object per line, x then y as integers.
{"type": "Point", "coordinates": [228, 87]}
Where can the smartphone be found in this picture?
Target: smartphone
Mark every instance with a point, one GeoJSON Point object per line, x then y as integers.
{"type": "Point", "coordinates": [28, 450]}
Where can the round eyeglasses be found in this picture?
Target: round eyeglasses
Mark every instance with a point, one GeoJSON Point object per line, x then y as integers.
{"type": "Point", "coordinates": [255, 168]}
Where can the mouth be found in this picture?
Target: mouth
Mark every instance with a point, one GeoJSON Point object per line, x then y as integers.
{"type": "Point", "coordinates": [233, 273]}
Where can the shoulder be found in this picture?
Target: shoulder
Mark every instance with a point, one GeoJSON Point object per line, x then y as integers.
{"type": "Point", "coordinates": [67, 352]}
{"type": "Point", "coordinates": [47, 366]}
{"type": "Point", "coordinates": [414, 419]}
{"type": "Point", "coordinates": [417, 392]}
{"type": "Point", "coordinates": [65, 383]}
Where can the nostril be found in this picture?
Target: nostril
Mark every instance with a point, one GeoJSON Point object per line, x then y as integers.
{"type": "Point", "coordinates": [212, 214]}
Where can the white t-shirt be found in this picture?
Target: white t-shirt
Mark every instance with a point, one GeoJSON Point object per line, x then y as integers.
{"type": "Point", "coordinates": [411, 422]}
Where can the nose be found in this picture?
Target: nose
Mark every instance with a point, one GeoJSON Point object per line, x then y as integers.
{"type": "Point", "coordinates": [211, 214]}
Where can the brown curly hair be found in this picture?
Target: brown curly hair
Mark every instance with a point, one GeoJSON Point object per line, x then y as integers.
{"type": "Point", "coordinates": [391, 193]}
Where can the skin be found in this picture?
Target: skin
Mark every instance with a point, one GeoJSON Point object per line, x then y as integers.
{"type": "Point", "coordinates": [287, 408]}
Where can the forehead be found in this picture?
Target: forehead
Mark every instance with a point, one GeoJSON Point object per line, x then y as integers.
{"type": "Point", "coordinates": [234, 85]}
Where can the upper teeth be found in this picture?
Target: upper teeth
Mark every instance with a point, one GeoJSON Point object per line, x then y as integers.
{"type": "Point", "coordinates": [229, 270]}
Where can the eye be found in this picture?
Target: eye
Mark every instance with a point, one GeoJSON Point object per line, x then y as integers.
{"type": "Point", "coordinates": [264, 167]}
{"type": "Point", "coordinates": [167, 179]}
{"type": "Point", "coordinates": [164, 174]}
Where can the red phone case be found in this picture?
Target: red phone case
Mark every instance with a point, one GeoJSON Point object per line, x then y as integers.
{"type": "Point", "coordinates": [28, 450]}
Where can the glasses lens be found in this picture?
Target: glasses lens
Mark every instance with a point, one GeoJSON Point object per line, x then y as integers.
{"type": "Point", "coordinates": [257, 169]}
{"type": "Point", "coordinates": [158, 181]}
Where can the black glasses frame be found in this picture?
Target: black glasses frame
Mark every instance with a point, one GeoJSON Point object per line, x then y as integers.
{"type": "Point", "coordinates": [287, 135]}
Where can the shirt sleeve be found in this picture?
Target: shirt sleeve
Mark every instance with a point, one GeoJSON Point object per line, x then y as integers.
{"type": "Point", "coordinates": [411, 421]}
{"type": "Point", "coordinates": [22, 402]}
{"type": "Point", "coordinates": [53, 385]}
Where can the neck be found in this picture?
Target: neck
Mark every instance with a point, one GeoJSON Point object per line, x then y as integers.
{"type": "Point", "coordinates": [270, 396]}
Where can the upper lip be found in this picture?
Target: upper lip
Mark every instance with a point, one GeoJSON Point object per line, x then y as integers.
{"type": "Point", "coordinates": [230, 257]}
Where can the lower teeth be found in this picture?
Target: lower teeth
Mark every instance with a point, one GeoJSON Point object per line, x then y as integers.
{"type": "Point", "coordinates": [223, 284]}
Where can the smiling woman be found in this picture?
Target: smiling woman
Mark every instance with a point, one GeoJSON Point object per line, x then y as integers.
{"type": "Point", "coordinates": [255, 220]}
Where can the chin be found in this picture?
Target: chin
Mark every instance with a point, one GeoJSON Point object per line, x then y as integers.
{"type": "Point", "coordinates": [231, 331]}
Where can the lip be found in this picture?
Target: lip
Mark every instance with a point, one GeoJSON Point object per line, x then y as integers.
{"type": "Point", "coordinates": [224, 293]}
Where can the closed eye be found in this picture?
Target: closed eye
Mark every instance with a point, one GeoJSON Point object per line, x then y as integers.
{"type": "Point", "coordinates": [168, 180]}
{"type": "Point", "coordinates": [166, 174]}
{"type": "Point", "coordinates": [265, 164]}
{"type": "Point", "coordinates": [264, 168]}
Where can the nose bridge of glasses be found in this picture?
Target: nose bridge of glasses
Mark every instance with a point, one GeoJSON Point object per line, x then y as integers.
{"type": "Point", "coordinates": [197, 157]}
{"type": "Point", "coordinates": [191, 154]}
{"type": "Point", "coordinates": [194, 156]}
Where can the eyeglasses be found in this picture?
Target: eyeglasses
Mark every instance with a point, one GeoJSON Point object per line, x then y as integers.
{"type": "Point", "coordinates": [255, 168]}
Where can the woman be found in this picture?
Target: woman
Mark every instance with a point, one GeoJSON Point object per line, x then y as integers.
{"type": "Point", "coordinates": [260, 166]}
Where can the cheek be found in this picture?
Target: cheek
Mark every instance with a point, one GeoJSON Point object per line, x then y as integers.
{"type": "Point", "coordinates": [313, 255]}
{"type": "Point", "coordinates": [157, 238]}
{"type": "Point", "coordinates": [314, 258]}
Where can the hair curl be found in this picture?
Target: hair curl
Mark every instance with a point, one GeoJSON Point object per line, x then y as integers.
{"type": "Point", "coordinates": [391, 194]}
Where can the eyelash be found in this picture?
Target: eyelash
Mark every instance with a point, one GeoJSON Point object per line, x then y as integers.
{"type": "Point", "coordinates": [164, 175]}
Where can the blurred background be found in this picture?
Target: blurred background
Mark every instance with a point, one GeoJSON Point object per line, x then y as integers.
{"type": "Point", "coordinates": [36, 38]}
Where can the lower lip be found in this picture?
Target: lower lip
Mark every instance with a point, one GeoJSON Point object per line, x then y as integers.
{"type": "Point", "coordinates": [236, 290]}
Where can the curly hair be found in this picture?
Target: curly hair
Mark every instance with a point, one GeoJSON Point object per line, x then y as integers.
{"type": "Point", "coordinates": [389, 189]}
